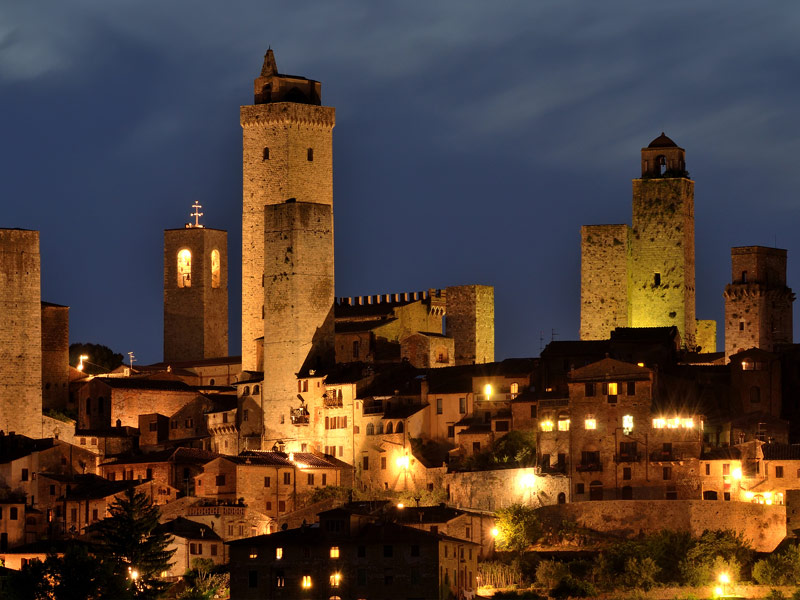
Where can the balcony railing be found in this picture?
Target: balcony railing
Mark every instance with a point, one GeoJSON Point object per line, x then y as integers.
{"type": "Point", "coordinates": [299, 416]}
{"type": "Point", "coordinates": [556, 469]}
{"type": "Point", "coordinates": [661, 456]}
{"type": "Point", "coordinates": [373, 408]}
{"type": "Point", "coordinates": [589, 467]}
{"type": "Point", "coordinates": [332, 403]}
{"type": "Point", "coordinates": [628, 457]}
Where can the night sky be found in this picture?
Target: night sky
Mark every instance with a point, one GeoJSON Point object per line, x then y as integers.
{"type": "Point", "coordinates": [473, 139]}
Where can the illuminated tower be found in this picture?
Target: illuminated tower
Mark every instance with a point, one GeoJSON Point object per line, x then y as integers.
{"type": "Point", "coordinates": [662, 242]}
{"type": "Point", "coordinates": [287, 238]}
{"type": "Point", "coordinates": [758, 305]}
{"type": "Point", "coordinates": [195, 292]}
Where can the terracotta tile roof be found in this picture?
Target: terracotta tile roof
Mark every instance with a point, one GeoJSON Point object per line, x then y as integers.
{"type": "Point", "coordinates": [188, 529]}
{"type": "Point", "coordinates": [609, 367]}
{"type": "Point", "coordinates": [144, 384]}
{"type": "Point", "coordinates": [781, 451]}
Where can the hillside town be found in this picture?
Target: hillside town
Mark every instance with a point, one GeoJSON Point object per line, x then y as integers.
{"type": "Point", "coordinates": [365, 444]}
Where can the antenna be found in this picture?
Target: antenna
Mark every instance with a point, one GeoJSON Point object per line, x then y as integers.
{"type": "Point", "coordinates": [132, 358]}
{"type": "Point", "coordinates": [553, 335]}
{"type": "Point", "coordinates": [541, 341]}
{"type": "Point", "coordinates": [196, 214]}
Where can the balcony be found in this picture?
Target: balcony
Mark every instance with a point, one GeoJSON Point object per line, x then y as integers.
{"type": "Point", "coordinates": [556, 469]}
{"type": "Point", "coordinates": [588, 467]}
{"type": "Point", "coordinates": [629, 457]}
{"type": "Point", "coordinates": [332, 403]}
{"type": "Point", "coordinates": [661, 456]}
{"type": "Point", "coordinates": [299, 416]}
{"type": "Point", "coordinates": [373, 408]}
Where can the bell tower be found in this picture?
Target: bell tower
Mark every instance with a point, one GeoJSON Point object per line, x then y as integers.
{"type": "Point", "coordinates": [287, 239]}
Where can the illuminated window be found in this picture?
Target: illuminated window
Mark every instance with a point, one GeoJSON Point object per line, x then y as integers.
{"type": "Point", "coordinates": [335, 579]}
{"type": "Point", "coordinates": [253, 553]}
{"type": "Point", "coordinates": [674, 423]}
{"type": "Point", "coordinates": [563, 424]}
{"type": "Point", "coordinates": [334, 551]}
{"type": "Point", "coordinates": [687, 423]}
{"type": "Point", "coordinates": [306, 582]}
{"type": "Point", "coordinates": [184, 268]}
{"type": "Point", "coordinates": [627, 424]}
{"type": "Point", "coordinates": [487, 390]}
{"type": "Point", "coordinates": [659, 423]}
{"type": "Point", "coordinates": [215, 268]}
{"type": "Point", "coordinates": [612, 389]}
{"type": "Point", "coordinates": [514, 388]}
{"type": "Point", "coordinates": [546, 425]}
{"type": "Point", "coordinates": [278, 553]}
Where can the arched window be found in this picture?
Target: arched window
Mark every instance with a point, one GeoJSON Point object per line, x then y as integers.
{"type": "Point", "coordinates": [755, 394]}
{"type": "Point", "coordinates": [515, 388]}
{"type": "Point", "coordinates": [379, 428]}
{"type": "Point", "coordinates": [256, 390]}
{"type": "Point", "coordinates": [215, 268]}
{"type": "Point", "coordinates": [661, 163]}
{"type": "Point", "coordinates": [184, 268]}
{"type": "Point", "coordinates": [562, 498]}
{"type": "Point", "coordinates": [370, 429]}
{"type": "Point", "coordinates": [246, 390]}
{"type": "Point", "coordinates": [399, 428]}
{"type": "Point", "coordinates": [389, 428]}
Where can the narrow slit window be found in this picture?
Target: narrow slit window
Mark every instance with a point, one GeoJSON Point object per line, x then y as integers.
{"type": "Point", "coordinates": [266, 154]}
{"type": "Point", "coordinates": [310, 154]}
{"type": "Point", "coordinates": [215, 268]}
{"type": "Point", "coordinates": [657, 279]}
{"type": "Point", "coordinates": [184, 268]}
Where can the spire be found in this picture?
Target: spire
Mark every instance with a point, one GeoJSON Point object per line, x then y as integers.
{"type": "Point", "coordinates": [269, 68]}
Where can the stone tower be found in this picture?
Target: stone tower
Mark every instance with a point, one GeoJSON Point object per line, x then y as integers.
{"type": "Point", "coordinates": [643, 276]}
{"type": "Point", "coordinates": [20, 333]}
{"type": "Point", "coordinates": [287, 239]}
{"type": "Point", "coordinates": [469, 320]}
{"type": "Point", "coordinates": [195, 293]}
{"type": "Point", "coordinates": [55, 355]}
{"type": "Point", "coordinates": [758, 305]}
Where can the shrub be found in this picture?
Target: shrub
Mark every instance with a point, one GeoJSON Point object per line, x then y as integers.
{"type": "Point", "coordinates": [570, 587]}
{"type": "Point", "coordinates": [550, 573]}
{"type": "Point", "coordinates": [775, 595]}
{"type": "Point", "coordinates": [640, 573]}
{"type": "Point", "coordinates": [779, 568]}
{"type": "Point", "coordinates": [519, 527]}
{"type": "Point", "coordinates": [715, 552]}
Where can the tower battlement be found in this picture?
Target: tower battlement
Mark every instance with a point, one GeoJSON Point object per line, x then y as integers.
{"type": "Point", "coordinates": [400, 298]}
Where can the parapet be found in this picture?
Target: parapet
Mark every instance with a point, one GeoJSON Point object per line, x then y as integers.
{"type": "Point", "coordinates": [434, 295]}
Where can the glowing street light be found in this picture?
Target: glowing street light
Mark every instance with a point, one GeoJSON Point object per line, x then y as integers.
{"type": "Point", "coordinates": [400, 505]}
{"type": "Point", "coordinates": [402, 462]}
{"type": "Point", "coordinates": [724, 580]}
{"type": "Point", "coordinates": [81, 358]}
{"type": "Point", "coordinates": [495, 532]}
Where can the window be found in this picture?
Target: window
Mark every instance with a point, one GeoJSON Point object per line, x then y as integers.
{"type": "Point", "coordinates": [220, 480]}
{"type": "Point", "coordinates": [666, 473]}
{"type": "Point", "coordinates": [726, 469]}
{"type": "Point", "coordinates": [213, 549]}
{"type": "Point", "coordinates": [370, 429]}
{"type": "Point", "coordinates": [280, 579]}
{"type": "Point", "coordinates": [672, 493]}
{"type": "Point", "coordinates": [546, 425]}
{"type": "Point", "coordinates": [355, 349]}
{"type": "Point", "coordinates": [267, 481]}
{"type": "Point", "coordinates": [588, 390]}
{"type": "Point", "coordinates": [265, 156]}
{"type": "Point", "coordinates": [659, 423]}
{"type": "Point", "coordinates": [627, 424]}
{"type": "Point", "coordinates": [439, 406]}
{"type": "Point", "coordinates": [533, 411]}
{"type": "Point", "coordinates": [24, 475]}
{"type": "Point", "coordinates": [779, 472]}
{"type": "Point", "coordinates": [324, 479]}
{"type": "Point", "coordinates": [94, 514]}
{"type": "Point", "coordinates": [741, 325]}
{"type": "Point", "coordinates": [451, 431]}
{"type": "Point", "coordinates": [744, 276]}
{"type": "Point", "coordinates": [184, 268]}
{"type": "Point", "coordinates": [590, 422]}
{"type": "Point", "coordinates": [389, 427]}
{"type": "Point", "coordinates": [383, 463]}
{"type": "Point", "coordinates": [281, 506]}
{"type": "Point", "coordinates": [334, 551]}
{"type": "Point", "coordinates": [335, 578]}
{"type": "Point", "coordinates": [215, 268]}
{"type": "Point", "coordinates": [626, 473]}
{"type": "Point", "coordinates": [462, 406]}
{"type": "Point", "coordinates": [503, 426]}
{"type": "Point", "coordinates": [278, 553]}
{"type": "Point", "coordinates": [310, 479]}
{"type": "Point", "coordinates": [476, 446]}
{"type": "Point", "coordinates": [287, 478]}
{"type": "Point", "coordinates": [755, 394]}
{"type": "Point", "coordinates": [612, 392]}
{"type": "Point", "coordinates": [153, 426]}
{"type": "Point", "coordinates": [708, 468]}
{"type": "Point", "coordinates": [365, 463]}
{"type": "Point", "coordinates": [563, 424]}
{"type": "Point", "coordinates": [310, 154]}
{"type": "Point", "coordinates": [631, 391]}
{"type": "Point", "coordinates": [657, 279]}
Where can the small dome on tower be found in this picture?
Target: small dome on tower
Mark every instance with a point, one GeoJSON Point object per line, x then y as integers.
{"type": "Point", "coordinates": [662, 141]}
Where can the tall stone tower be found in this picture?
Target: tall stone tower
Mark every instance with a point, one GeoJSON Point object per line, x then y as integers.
{"type": "Point", "coordinates": [287, 239]}
{"type": "Point", "coordinates": [55, 355]}
{"type": "Point", "coordinates": [20, 333]}
{"type": "Point", "coordinates": [469, 320]}
{"type": "Point", "coordinates": [662, 242]}
{"type": "Point", "coordinates": [758, 305]}
{"type": "Point", "coordinates": [643, 276]}
{"type": "Point", "coordinates": [195, 292]}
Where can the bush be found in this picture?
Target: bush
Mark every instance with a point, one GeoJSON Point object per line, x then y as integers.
{"type": "Point", "coordinates": [518, 526]}
{"type": "Point", "coordinates": [779, 568]}
{"type": "Point", "coordinates": [775, 595]}
{"type": "Point", "coordinates": [640, 573]}
{"type": "Point", "coordinates": [713, 553]}
{"type": "Point", "coordinates": [550, 573]}
{"type": "Point", "coordinates": [574, 588]}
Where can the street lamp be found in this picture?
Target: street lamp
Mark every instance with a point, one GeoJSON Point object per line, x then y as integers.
{"type": "Point", "coordinates": [724, 580]}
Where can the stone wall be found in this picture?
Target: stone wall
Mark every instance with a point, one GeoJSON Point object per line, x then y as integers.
{"type": "Point", "coordinates": [493, 490]}
{"type": "Point", "coordinates": [55, 355]}
{"type": "Point", "coordinates": [20, 333]}
{"type": "Point", "coordinates": [470, 322]}
{"type": "Point", "coordinates": [288, 130]}
{"type": "Point", "coordinates": [662, 267]}
{"type": "Point", "coordinates": [605, 253]}
{"type": "Point", "coordinates": [195, 317]}
{"type": "Point", "coordinates": [706, 335]}
{"type": "Point", "coordinates": [762, 525]}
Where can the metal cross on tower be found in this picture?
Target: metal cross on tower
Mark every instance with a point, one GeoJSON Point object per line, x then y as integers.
{"type": "Point", "coordinates": [196, 214]}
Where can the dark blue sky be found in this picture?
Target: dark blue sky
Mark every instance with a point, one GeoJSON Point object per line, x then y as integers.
{"type": "Point", "coordinates": [472, 141]}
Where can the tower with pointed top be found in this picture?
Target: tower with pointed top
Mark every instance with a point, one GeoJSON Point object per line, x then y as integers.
{"type": "Point", "coordinates": [195, 292]}
{"type": "Point", "coordinates": [643, 276]}
{"type": "Point", "coordinates": [287, 239]}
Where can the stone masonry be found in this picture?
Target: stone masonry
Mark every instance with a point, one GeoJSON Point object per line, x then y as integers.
{"type": "Point", "coordinates": [196, 312]}
{"type": "Point", "coordinates": [20, 333]}
{"type": "Point", "coordinates": [605, 254]}
{"type": "Point", "coordinates": [758, 305]}
{"type": "Point", "coordinates": [287, 154]}
{"type": "Point", "coordinates": [55, 355]}
{"type": "Point", "coordinates": [469, 320]}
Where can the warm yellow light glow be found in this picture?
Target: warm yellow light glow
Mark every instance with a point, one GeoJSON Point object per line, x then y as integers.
{"type": "Point", "coordinates": [612, 389]}
{"type": "Point", "coordinates": [627, 424]}
{"type": "Point", "coordinates": [487, 390]}
{"type": "Point", "coordinates": [495, 532]}
{"type": "Point", "coordinates": [737, 473]}
{"type": "Point", "coordinates": [767, 494]}
{"type": "Point", "coordinates": [306, 582]}
{"type": "Point", "coordinates": [590, 423]}
{"type": "Point", "coordinates": [402, 462]}
{"type": "Point", "coordinates": [184, 268]}
{"type": "Point", "coordinates": [400, 505]}
{"type": "Point", "coordinates": [278, 553]}
{"type": "Point", "coordinates": [768, 502]}
{"type": "Point", "coordinates": [215, 268]}
{"type": "Point", "coordinates": [563, 424]}
{"type": "Point", "coordinates": [640, 364]}
{"type": "Point", "coordinates": [687, 423]}
{"type": "Point", "coordinates": [546, 425]}
{"type": "Point", "coordinates": [749, 495]}
{"type": "Point", "coordinates": [134, 574]}
{"type": "Point", "coordinates": [528, 480]}
{"type": "Point", "coordinates": [674, 423]}
{"type": "Point", "coordinates": [334, 551]}
{"type": "Point", "coordinates": [82, 358]}
{"type": "Point", "coordinates": [718, 591]}
{"type": "Point", "coordinates": [335, 578]}
{"type": "Point", "coordinates": [724, 578]}
{"type": "Point", "coordinates": [659, 423]}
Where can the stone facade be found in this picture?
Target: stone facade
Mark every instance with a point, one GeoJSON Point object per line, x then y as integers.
{"type": "Point", "coordinates": [470, 322]}
{"type": "Point", "coordinates": [426, 350]}
{"type": "Point", "coordinates": [20, 333]}
{"type": "Point", "coordinates": [55, 355]}
{"type": "Point", "coordinates": [195, 303]}
{"type": "Point", "coordinates": [493, 490]}
{"type": "Point", "coordinates": [644, 276]}
{"type": "Point", "coordinates": [287, 154]}
{"type": "Point", "coordinates": [706, 338]}
{"type": "Point", "coordinates": [758, 305]}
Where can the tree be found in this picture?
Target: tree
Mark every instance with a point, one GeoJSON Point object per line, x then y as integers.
{"type": "Point", "coordinates": [518, 527]}
{"type": "Point", "coordinates": [204, 581]}
{"type": "Point", "coordinates": [102, 359]}
{"type": "Point", "coordinates": [130, 538]}
{"type": "Point", "coordinates": [714, 552]}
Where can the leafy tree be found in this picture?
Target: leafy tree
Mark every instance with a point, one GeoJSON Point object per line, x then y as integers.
{"type": "Point", "coordinates": [205, 581]}
{"type": "Point", "coordinates": [516, 449]}
{"type": "Point", "coordinates": [640, 573]}
{"type": "Point", "coordinates": [130, 538]}
{"type": "Point", "coordinates": [779, 568]}
{"type": "Point", "coordinates": [102, 359]}
{"type": "Point", "coordinates": [715, 552]}
{"type": "Point", "coordinates": [549, 573]}
{"type": "Point", "coordinates": [518, 527]}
